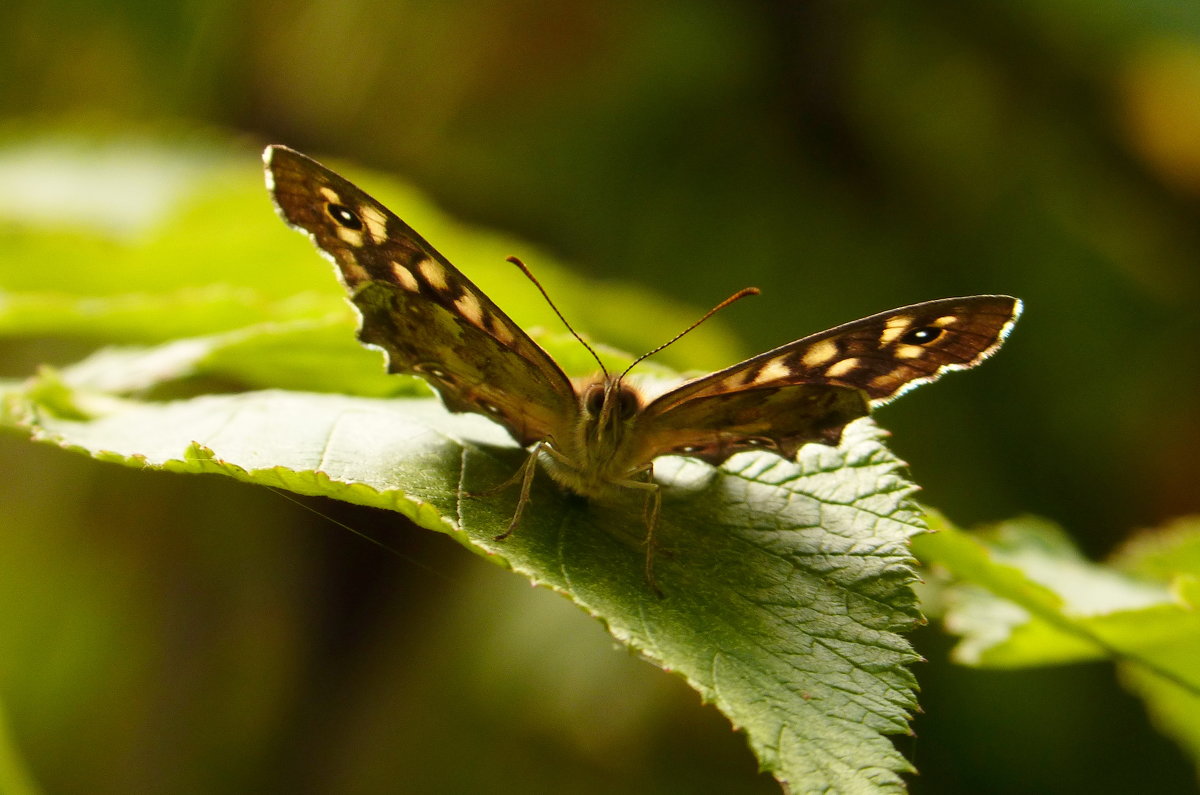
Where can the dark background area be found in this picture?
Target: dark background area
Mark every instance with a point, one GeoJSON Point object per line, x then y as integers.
{"type": "Point", "coordinates": [190, 634]}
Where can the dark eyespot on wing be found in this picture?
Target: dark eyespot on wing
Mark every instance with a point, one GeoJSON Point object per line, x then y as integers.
{"type": "Point", "coordinates": [344, 216]}
{"type": "Point", "coordinates": [921, 336]}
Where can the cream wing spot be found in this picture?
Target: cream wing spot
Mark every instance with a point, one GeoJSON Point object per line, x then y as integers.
{"type": "Point", "coordinates": [502, 332]}
{"type": "Point", "coordinates": [354, 237]}
{"type": "Point", "coordinates": [839, 369]}
{"type": "Point", "coordinates": [909, 351]}
{"type": "Point", "coordinates": [944, 321]}
{"type": "Point", "coordinates": [773, 370]}
{"type": "Point", "coordinates": [434, 274]}
{"type": "Point", "coordinates": [468, 306]}
{"type": "Point", "coordinates": [820, 353]}
{"type": "Point", "coordinates": [376, 223]}
{"type": "Point", "coordinates": [405, 278]}
{"type": "Point", "coordinates": [894, 329]}
{"type": "Point", "coordinates": [330, 195]}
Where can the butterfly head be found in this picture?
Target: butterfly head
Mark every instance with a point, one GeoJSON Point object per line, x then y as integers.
{"type": "Point", "coordinates": [607, 405]}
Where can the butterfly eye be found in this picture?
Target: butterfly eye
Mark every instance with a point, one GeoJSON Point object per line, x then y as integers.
{"type": "Point", "coordinates": [593, 399]}
{"type": "Point", "coordinates": [628, 403]}
{"type": "Point", "coordinates": [922, 336]}
{"type": "Point", "coordinates": [344, 216]}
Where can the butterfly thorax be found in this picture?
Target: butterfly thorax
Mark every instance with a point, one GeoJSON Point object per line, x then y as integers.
{"type": "Point", "coordinates": [598, 455]}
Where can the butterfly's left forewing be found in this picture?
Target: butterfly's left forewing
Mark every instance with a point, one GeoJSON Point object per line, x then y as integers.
{"type": "Point", "coordinates": [419, 309]}
{"type": "Point", "coordinates": [810, 389]}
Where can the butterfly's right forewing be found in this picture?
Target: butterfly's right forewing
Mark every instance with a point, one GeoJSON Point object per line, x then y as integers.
{"type": "Point", "coordinates": [809, 389]}
{"type": "Point", "coordinates": [419, 309]}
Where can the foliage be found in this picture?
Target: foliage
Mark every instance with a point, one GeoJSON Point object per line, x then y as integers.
{"type": "Point", "coordinates": [1021, 595]}
{"type": "Point", "coordinates": [787, 584]}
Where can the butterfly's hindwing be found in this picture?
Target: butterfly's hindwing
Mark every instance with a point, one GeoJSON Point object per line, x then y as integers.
{"type": "Point", "coordinates": [419, 309]}
{"type": "Point", "coordinates": [778, 419]}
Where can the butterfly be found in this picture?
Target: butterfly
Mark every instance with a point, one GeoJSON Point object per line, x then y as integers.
{"type": "Point", "coordinates": [599, 436]}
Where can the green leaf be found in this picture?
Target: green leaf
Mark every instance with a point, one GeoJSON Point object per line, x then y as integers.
{"type": "Point", "coordinates": [1023, 595]}
{"type": "Point", "coordinates": [786, 583]}
{"type": "Point", "coordinates": [143, 317]}
{"type": "Point", "coordinates": [1170, 555]}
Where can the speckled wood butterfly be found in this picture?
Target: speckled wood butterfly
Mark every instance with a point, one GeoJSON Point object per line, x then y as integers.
{"type": "Point", "coordinates": [600, 435]}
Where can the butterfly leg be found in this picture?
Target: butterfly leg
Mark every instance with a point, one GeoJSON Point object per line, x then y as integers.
{"type": "Point", "coordinates": [508, 483]}
{"type": "Point", "coordinates": [650, 512]}
{"type": "Point", "coordinates": [651, 508]}
{"type": "Point", "coordinates": [525, 475]}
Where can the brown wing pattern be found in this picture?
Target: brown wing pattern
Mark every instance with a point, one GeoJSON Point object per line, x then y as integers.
{"type": "Point", "coordinates": [802, 388]}
{"type": "Point", "coordinates": [776, 419]}
{"type": "Point", "coordinates": [425, 315]}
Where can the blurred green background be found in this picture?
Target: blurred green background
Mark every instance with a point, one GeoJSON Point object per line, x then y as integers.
{"type": "Point", "coordinates": [184, 634]}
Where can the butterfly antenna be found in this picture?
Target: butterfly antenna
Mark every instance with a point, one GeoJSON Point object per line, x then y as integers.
{"type": "Point", "coordinates": [574, 333]}
{"type": "Point", "coordinates": [739, 295]}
